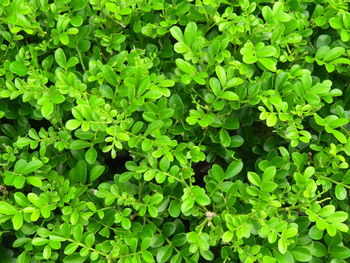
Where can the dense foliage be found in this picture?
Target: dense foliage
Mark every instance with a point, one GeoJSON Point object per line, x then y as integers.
{"type": "Point", "coordinates": [174, 131]}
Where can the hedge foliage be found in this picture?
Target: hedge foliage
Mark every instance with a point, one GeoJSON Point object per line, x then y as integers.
{"type": "Point", "coordinates": [174, 131]}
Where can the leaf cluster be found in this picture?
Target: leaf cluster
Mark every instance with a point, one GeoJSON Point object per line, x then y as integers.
{"type": "Point", "coordinates": [174, 131]}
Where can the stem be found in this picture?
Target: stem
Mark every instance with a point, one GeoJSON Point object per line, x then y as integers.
{"type": "Point", "coordinates": [81, 59]}
{"type": "Point", "coordinates": [333, 181]}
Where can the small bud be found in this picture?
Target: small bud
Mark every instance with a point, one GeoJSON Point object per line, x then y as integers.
{"type": "Point", "coordinates": [210, 215]}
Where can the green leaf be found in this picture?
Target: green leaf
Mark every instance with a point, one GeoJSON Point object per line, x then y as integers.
{"type": "Point", "coordinates": [292, 38]}
{"type": "Point", "coordinates": [174, 208]}
{"type": "Point", "coordinates": [334, 53]}
{"type": "Point", "coordinates": [24, 257]}
{"type": "Point", "coordinates": [268, 63]}
{"type": "Point", "coordinates": [268, 175]}
{"type": "Point", "coordinates": [47, 109]}
{"type": "Point", "coordinates": [39, 241]}
{"type": "Point", "coordinates": [147, 256]}
{"type": "Point", "coordinates": [149, 175]}
{"type": "Point", "coordinates": [146, 242]}
{"type": "Point", "coordinates": [283, 258]}
{"type": "Point", "coordinates": [153, 127]}
{"type": "Point", "coordinates": [22, 142]}
{"type": "Point", "coordinates": [234, 82]}
{"type": "Point", "coordinates": [248, 52]}
{"type": "Point", "coordinates": [60, 58]}
{"type": "Point", "coordinates": [187, 205]}
{"type": "Point", "coordinates": [306, 80]}
{"type": "Point", "coordinates": [18, 68]}
{"type": "Point", "coordinates": [20, 165]}
{"type": "Point", "coordinates": [47, 252]}
{"type": "Point", "coordinates": [192, 237]}
{"type": "Point", "coordinates": [327, 210]}
{"type": "Point", "coordinates": [72, 61]}
{"type": "Point", "coordinates": [225, 138]}
{"type": "Point", "coordinates": [200, 197]}
{"type": "Point", "coordinates": [96, 172]}
{"type": "Point", "coordinates": [199, 80]}
{"type": "Point", "coordinates": [168, 229]}
{"type": "Point", "coordinates": [164, 254]}
{"type": "Point", "coordinates": [58, 238]}
{"type": "Point", "coordinates": [322, 51]}
{"type": "Point", "coordinates": [17, 221]}
{"type": "Point", "coordinates": [229, 95]}
{"type": "Point", "coordinates": [164, 164]}
{"type": "Point", "coordinates": [336, 217]}
{"type": "Point", "coordinates": [181, 47]}
{"type": "Point", "coordinates": [110, 76]}
{"type": "Point", "coordinates": [185, 66]}
{"type": "Point", "coordinates": [77, 231]}
{"type": "Point", "coordinates": [227, 236]}
{"type": "Point", "coordinates": [271, 119]}
{"type": "Point", "coordinates": [34, 180]}
{"type": "Point", "coordinates": [7, 209]}
{"type": "Point", "coordinates": [203, 241]}
{"type": "Point", "coordinates": [318, 249]}
{"type": "Point", "coordinates": [236, 141]}
{"type": "Point", "coordinates": [76, 20]}
{"type": "Point", "coordinates": [122, 136]}
{"type": "Point", "coordinates": [315, 233]}
{"type": "Point", "coordinates": [233, 169]}
{"type": "Point", "coordinates": [323, 40]}
{"type": "Point", "coordinates": [339, 122]}
{"type": "Point", "coordinates": [91, 155]}
{"type": "Point", "coordinates": [335, 22]}
{"type": "Point", "coordinates": [190, 33]}
{"type": "Point", "coordinates": [301, 254]}
{"type": "Point", "coordinates": [156, 198]}
{"type": "Point", "coordinates": [153, 212]}
{"type": "Point", "coordinates": [79, 144]}
{"type": "Point", "coordinates": [64, 38]}
{"type": "Point", "coordinates": [254, 178]}
{"type": "Point", "coordinates": [340, 192]}
{"type": "Point", "coordinates": [32, 166]}
{"type": "Point", "coordinates": [146, 145]}
{"type": "Point", "coordinates": [215, 86]}
{"type": "Point", "coordinates": [90, 240]}
{"type": "Point", "coordinates": [266, 51]}
{"type": "Point", "coordinates": [339, 136]}
{"type": "Point", "coordinates": [339, 252]}
{"type": "Point", "coordinates": [74, 217]}
{"type": "Point", "coordinates": [78, 4]}
{"type": "Point", "coordinates": [126, 223]}
{"type": "Point", "coordinates": [175, 102]}
{"type": "Point", "coordinates": [73, 124]}
{"type": "Point", "coordinates": [21, 199]}
{"type": "Point", "coordinates": [153, 94]}
{"type": "Point", "coordinates": [282, 245]}
{"type": "Point", "coordinates": [220, 72]}
{"type": "Point", "coordinates": [19, 181]}
{"type": "Point", "coordinates": [177, 33]}
{"type": "Point", "coordinates": [21, 241]}
{"type": "Point", "coordinates": [76, 258]}
{"type": "Point", "coordinates": [176, 259]}
{"type": "Point", "coordinates": [186, 79]}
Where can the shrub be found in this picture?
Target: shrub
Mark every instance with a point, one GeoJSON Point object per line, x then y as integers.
{"type": "Point", "coordinates": [174, 131]}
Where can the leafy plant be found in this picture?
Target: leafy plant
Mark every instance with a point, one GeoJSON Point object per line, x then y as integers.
{"type": "Point", "coordinates": [174, 131]}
